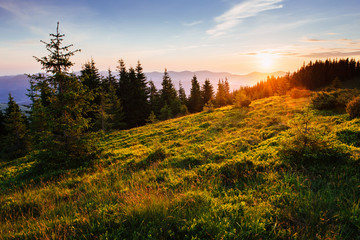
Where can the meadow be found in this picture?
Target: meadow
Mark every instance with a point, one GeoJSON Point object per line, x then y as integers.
{"type": "Point", "coordinates": [278, 169]}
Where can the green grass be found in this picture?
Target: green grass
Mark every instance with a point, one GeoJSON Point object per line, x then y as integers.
{"type": "Point", "coordinates": [234, 173]}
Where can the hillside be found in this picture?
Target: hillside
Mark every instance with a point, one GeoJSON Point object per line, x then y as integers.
{"type": "Point", "coordinates": [231, 173]}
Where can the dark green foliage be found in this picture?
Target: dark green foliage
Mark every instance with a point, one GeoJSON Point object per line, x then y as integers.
{"type": "Point", "coordinates": [134, 94]}
{"type": "Point", "coordinates": [207, 92]}
{"type": "Point", "coordinates": [154, 98]}
{"type": "Point", "coordinates": [64, 108]}
{"type": "Point", "coordinates": [168, 98]}
{"type": "Point", "coordinates": [350, 137]}
{"type": "Point", "coordinates": [353, 108]}
{"type": "Point", "coordinates": [14, 139]}
{"type": "Point", "coordinates": [91, 79]}
{"type": "Point", "coordinates": [111, 108]}
{"type": "Point", "coordinates": [165, 112]}
{"type": "Point", "coordinates": [337, 99]}
{"type": "Point", "coordinates": [182, 94]}
{"type": "Point", "coordinates": [194, 101]}
{"type": "Point", "coordinates": [323, 101]}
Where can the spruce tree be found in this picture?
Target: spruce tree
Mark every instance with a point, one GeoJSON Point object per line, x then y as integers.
{"type": "Point", "coordinates": [220, 94]}
{"type": "Point", "coordinates": [91, 79]}
{"type": "Point", "coordinates": [114, 109]}
{"type": "Point", "coordinates": [194, 102]}
{"type": "Point", "coordinates": [182, 94]}
{"type": "Point", "coordinates": [207, 92]}
{"type": "Point", "coordinates": [168, 97]}
{"type": "Point", "coordinates": [15, 138]}
{"type": "Point", "coordinates": [64, 107]}
{"type": "Point", "coordinates": [183, 100]}
{"type": "Point", "coordinates": [154, 99]}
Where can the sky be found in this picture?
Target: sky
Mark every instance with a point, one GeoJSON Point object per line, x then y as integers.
{"type": "Point", "coordinates": [236, 36]}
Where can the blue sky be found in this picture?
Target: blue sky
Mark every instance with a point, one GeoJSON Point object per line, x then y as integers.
{"type": "Point", "coordinates": [216, 35]}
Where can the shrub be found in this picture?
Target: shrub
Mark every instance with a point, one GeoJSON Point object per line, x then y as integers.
{"type": "Point", "coordinates": [353, 108]}
{"type": "Point", "coordinates": [323, 101]}
{"type": "Point", "coordinates": [299, 93]}
{"type": "Point", "coordinates": [306, 146]}
{"type": "Point", "coordinates": [209, 107]}
{"type": "Point", "coordinates": [334, 99]}
{"type": "Point", "coordinates": [241, 100]}
{"type": "Point", "coordinates": [344, 96]}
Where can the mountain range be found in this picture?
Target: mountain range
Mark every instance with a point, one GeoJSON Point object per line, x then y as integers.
{"type": "Point", "coordinates": [18, 84]}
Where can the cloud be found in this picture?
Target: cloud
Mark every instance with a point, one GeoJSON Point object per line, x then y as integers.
{"type": "Point", "coordinates": [192, 23]}
{"type": "Point", "coordinates": [235, 15]}
{"type": "Point", "coordinates": [342, 41]}
{"type": "Point", "coordinates": [332, 54]}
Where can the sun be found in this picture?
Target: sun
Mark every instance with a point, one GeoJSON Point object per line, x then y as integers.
{"type": "Point", "coordinates": [266, 60]}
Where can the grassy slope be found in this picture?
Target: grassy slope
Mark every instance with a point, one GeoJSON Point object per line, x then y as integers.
{"type": "Point", "coordinates": [212, 175]}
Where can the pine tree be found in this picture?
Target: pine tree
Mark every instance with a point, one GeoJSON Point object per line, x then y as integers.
{"type": "Point", "coordinates": [182, 94]}
{"type": "Point", "coordinates": [114, 109]}
{"type": "Point", "coordinates": [15, 138]}
{"type": "Point", "coordinates": [154, 98]}
{"type": "Point", "coordinates": [183, 100]}
{"type": "Point", "coordinates": [221, 94]}
{"type": "Point", "coordinates": [64, 105]}
{"type": "Point", "coordinates": [207, 92]}
{"type": "Point", "coordinates": [91, 79]}
{"type": "Point", "coordinates": [227, 92]}
{"type": "Point", "coordinates": [168, 96]}
{"type": "Point", "coordinates": [194, 102]}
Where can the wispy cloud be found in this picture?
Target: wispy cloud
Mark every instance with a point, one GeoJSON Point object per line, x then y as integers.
{"type": "Point", "coordinates": [342, 41]}
{"type": "Point", "coordinates": [190, 24]}
{"type": "Point", "coordinates": [235, 15]}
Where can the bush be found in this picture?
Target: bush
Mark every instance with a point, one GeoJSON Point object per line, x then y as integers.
{"type": "Point", "coordinates": [306, 146]}
{"type": "Point", "coordinates": [353, 108]}
{"type": "Point", "coordinates": [241, 100]}
{"type": "Point", "coordinates": [299, 93]}
{"type": "Point", "coordinates": [209, 106]}
{"type": "Point", "coordinates": [323, 101]}
{"type": "Point", "coordinates": [334, 99]}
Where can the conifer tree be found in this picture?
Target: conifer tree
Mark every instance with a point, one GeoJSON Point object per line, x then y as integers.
{"type": "Point", "coordinates": [207, 92]}
{"type": "Point", "coordinates": [183, 100]}
{"type": "Point", "coordinates": [15, 138]}
{"type": "Point", "coordinates": [168, 96]}
{"type": "Point", "coordinates": [114, 109]}
{"type": "Point", "coordinates": [91, 79]}
{"type": "Point", "coordinates": [221, 94]}
{"type": "Point", "coordinates": [194, 102]}
{"type": "Point", "coordinates": [154, 98]}
{"type": "Point", "coordinates": [182, 94]}
{"type": "Point", "coordinates": [64, 107]}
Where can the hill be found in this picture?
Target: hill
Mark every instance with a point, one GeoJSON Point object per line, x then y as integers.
{"type": "Point", "coordinates": [18, 84]}
{"type": "Point", "coordinates": [231, 173]}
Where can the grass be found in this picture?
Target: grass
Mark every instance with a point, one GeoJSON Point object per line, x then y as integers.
{"type": "Point", "coordinates": [234, 173]}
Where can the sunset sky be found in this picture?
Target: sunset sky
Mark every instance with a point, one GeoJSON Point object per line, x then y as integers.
{"type": "Point", "coordinates": [217, 35]}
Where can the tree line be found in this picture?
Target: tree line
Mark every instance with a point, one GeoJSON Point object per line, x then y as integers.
{"type": "Point", "coordinates": [67, 109]}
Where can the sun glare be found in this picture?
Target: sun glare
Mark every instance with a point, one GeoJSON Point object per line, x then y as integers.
{"type": "Point", "coordinates": [266, 60]}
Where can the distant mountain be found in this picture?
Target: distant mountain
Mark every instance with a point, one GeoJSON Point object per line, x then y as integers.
{"type": "Point", "coordinates": [17, 84]}
{"type": "Point", "coordinates": [235, 81]}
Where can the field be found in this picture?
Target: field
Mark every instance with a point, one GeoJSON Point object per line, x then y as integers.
{"type": "Point", "coordinates": [275, 170]}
